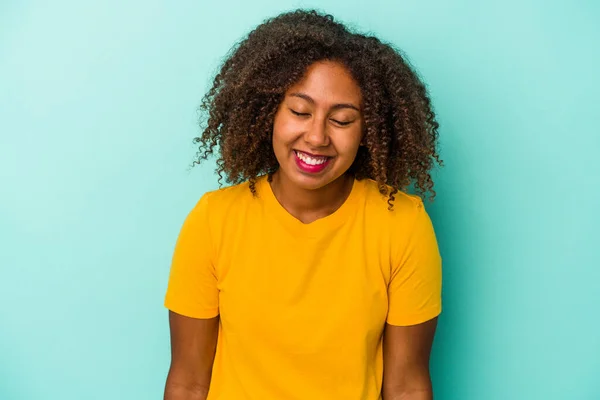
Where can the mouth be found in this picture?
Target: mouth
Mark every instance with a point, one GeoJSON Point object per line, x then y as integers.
{"type": "Point", "coordinates": [310, 163]}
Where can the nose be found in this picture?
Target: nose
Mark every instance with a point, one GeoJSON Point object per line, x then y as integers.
{"type": "Point", "coordinates": [316, 135]}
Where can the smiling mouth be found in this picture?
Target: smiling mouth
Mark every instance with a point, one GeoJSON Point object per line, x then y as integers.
{"type": "Point", "coordinates": [311, 159]}
{"type": "Point", "coordinates": [311, 164]}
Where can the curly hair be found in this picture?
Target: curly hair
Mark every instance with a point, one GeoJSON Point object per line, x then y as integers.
{"type": "Point", "coordinates": [237, 113]}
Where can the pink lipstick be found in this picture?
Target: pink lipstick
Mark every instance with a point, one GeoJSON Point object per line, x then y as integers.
{"type": "Point", "coordinates": [311, 164]}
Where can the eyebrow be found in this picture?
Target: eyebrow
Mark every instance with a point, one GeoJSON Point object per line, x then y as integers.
{"type": "Point", "coordinates": [334, 107]}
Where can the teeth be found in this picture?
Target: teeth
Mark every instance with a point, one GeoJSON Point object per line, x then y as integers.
{"type": "Point", "coordinates": [311, 160]}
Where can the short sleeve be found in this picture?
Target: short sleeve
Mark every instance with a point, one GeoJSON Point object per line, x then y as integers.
{"type": "Point", "coordinates": [192, 289]}
{"type": "Point", "coordinates": [414, 291]}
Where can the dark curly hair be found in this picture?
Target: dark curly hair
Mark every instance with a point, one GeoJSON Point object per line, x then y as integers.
{"type": "Point", "coordinates": [237, 113]}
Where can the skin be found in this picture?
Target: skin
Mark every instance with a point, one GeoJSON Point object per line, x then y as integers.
{"type": "Point", "coordinates": [406, 353]}
{"type": "Point", "coordinates": [193, 346]}
{"type": "Point", "coordinates": [322, 115]}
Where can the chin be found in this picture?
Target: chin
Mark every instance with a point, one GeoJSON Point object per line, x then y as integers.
{"type": "Point", "coordinates": [314, 182]}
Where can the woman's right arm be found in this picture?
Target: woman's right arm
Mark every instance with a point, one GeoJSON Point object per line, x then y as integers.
{"type": "Point", "coordinates": [193, 347]}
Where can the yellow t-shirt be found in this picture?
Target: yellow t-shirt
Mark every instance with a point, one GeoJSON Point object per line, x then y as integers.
{"type": "Point", "coordinates": [303, 306]}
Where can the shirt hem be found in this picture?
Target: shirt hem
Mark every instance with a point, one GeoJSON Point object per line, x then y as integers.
{"type": "Point", "coordinates": [416, 318]}
{"type": "Point", "coordinates": [206, 313]}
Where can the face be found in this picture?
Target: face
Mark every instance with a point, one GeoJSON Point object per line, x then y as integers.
{"type": "Point", "coordinates": [318, 126]}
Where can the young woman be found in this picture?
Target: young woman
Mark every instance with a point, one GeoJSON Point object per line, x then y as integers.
{"type": "Point", "coordinates": [314, 276]}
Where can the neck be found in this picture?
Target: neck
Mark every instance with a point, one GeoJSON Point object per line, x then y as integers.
{"type": "Point", "coordinates": [308, 205]}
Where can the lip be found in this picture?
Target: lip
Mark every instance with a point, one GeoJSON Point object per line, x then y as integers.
{"type": "Point", "coordinates": [313, 155]}
{"type": "Point", "coordinates": [308, 168]}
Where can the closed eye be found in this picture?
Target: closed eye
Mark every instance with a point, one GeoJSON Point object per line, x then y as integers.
{"type": "Point", "coordinates": [342, 123]}
{"type": "Point", "coordinates": [335, 121]}
{"type": "Point", "coordinates": [299, 113]}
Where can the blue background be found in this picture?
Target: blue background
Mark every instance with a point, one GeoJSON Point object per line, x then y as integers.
{"type": "Point", "coordinates": [97, 111]}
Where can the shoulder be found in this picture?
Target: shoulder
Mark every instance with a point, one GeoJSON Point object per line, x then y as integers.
{"type": "Point", "coordinates": [407, 228]}
{"type": "Point", "coordinates": [406, 207]}
{"type": "Point", "coordinates": [224, 197]}
{"type": "Point", "coordinates": [226, 203]}
{"type": "Point", "coordinates": [218, 211]}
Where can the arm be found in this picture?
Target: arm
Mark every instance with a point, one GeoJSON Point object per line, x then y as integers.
{"type": "Point", "coordinates": [414, 303]}
{"type": "Point", "coordinates": [193, 346]}
{"type": "Point", "coordinates": [406, 351]}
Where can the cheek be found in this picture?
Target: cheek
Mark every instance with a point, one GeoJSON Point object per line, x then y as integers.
{"type": "Point", "coordinates": [348, 142]}
{"type": "Point", "coordinates": [278, 128]}
{"type": "Point", "coordinates": [284, 130]}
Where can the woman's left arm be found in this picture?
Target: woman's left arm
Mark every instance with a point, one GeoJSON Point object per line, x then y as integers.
{"type": "Point", "coordinates": [406, 352]}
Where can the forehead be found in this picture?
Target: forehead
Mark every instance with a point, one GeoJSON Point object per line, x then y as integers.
{"type": "Point", "coordinates": [328, 82]}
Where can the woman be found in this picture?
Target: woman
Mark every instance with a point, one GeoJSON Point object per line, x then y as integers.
{"type": "Point", "coordinates": [313, 276]}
